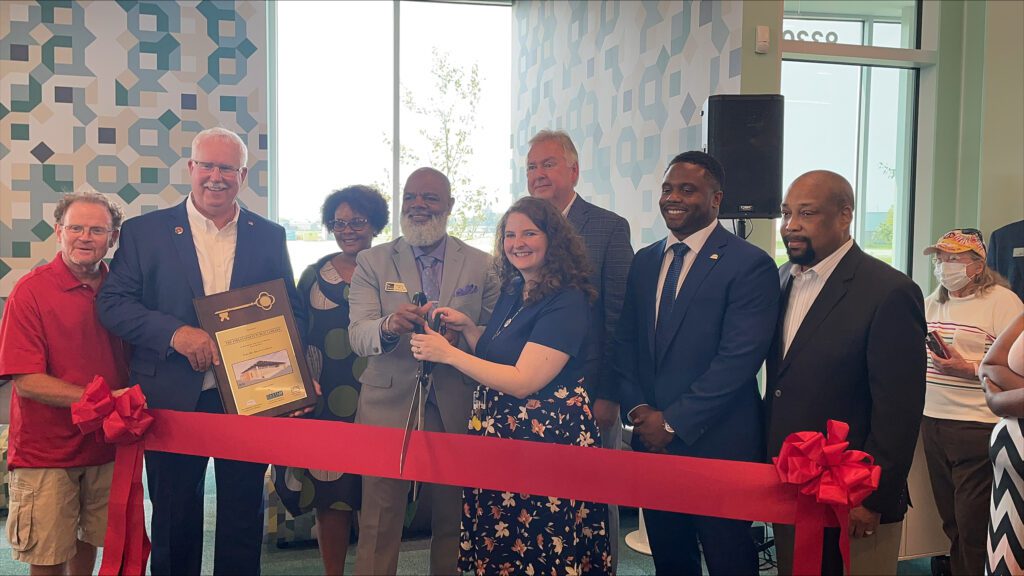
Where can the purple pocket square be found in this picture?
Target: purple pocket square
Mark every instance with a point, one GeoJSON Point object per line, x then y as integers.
{"type": "Point", "coordinates": [466, 290]}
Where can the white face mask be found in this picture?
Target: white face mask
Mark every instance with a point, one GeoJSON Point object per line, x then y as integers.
{"type": "Point", "coordinates": [952, 275]}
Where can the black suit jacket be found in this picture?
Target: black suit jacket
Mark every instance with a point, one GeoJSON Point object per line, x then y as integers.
{"type": "Point", "coordinates": [858, 357]}
{"type": "Point", "coordinates": [606, 236]}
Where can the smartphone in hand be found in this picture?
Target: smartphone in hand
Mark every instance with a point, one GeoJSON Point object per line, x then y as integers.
{"type": "Point", "coordinates": [936, 345]}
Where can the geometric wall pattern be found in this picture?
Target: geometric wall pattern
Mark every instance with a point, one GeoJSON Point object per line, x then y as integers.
{"type": "Point", "coordinates": [109, 95]}
{"type": "Point", "coordinates": [627, 81]}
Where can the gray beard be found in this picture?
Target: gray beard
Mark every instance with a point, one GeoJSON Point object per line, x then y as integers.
{"type": "Point", "coordinates": [424, 234]}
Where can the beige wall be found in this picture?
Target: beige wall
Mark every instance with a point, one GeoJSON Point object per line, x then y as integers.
{"type": "Point", "coordinates": [1001, 185]}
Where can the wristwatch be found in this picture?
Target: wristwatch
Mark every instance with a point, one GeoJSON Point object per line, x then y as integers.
{"type": "Point", "coordinates": [385, 334]}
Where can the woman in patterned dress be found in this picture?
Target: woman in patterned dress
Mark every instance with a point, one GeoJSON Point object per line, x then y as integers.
{"type": "Point", "coordinates": [355, 215]}
{"type": "Point", "coordinates": [530, 369]}
{"type": "Point", "coordinates": [1002, 374]}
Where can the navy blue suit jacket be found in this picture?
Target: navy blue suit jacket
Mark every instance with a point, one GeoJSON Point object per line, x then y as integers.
{"type": "Point", "coordinates": [153, 279]}
{"type": "Point", "coordinates": [1002, 258]}
{"type": "Point", "coordinates": [704, 379]}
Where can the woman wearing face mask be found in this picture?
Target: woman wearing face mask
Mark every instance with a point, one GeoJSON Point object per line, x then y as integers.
{"type": "Point", "coordinates": [971, 306]}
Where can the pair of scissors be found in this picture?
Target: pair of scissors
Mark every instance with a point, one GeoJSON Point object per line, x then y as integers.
{"type": "Point", "coordinates": [424, 383]}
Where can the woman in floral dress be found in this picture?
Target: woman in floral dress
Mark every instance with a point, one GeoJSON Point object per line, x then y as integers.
{"type": "Point", "coordinates": [529, 366]}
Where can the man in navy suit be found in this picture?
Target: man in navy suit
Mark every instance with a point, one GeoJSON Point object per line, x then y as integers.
{"type": "Point", "coordinates": [1006, 254]}
{"type": "Point", "coordinates": [697, 321]}
{"type": "Point", "coordinates": [204, 245]}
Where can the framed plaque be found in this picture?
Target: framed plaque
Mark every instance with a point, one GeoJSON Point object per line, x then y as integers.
{"type": "Point", "coordinates": [262, 369]}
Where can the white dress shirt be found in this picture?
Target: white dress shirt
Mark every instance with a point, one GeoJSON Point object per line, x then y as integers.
{"type": "Point", "coordinates": [569, 205]}
{"type": "Point", "coordinates": [215, 250]}
{"type": "Point", "coordinates": [807, 284]}
{"type": "Point", "coordinates": [695, 242]}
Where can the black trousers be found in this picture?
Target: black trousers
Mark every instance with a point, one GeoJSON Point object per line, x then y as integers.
{"type": "Point", "coordinates": [176, 488]}
{"type": "Point", "coordinates": [728, 546]}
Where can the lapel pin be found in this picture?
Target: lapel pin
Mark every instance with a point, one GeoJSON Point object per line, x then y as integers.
{"type": "Point", "coordinates": [714, 256]}
{"type": "Point", "coordinates": [179, 230]}
{"type": "Point", "coordinates": [250, 223]}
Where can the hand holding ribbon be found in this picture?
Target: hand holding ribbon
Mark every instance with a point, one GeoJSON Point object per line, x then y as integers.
{"type": "Point", "coordinates": [824, 469]}
{"type": "Point", "coordinates": [121, 420]}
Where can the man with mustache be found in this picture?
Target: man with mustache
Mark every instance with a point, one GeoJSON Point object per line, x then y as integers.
{"type": "Point", "coordinates": [695, 327]}
{"type": "Point", "coordinates": [204, 245]}
{"type": "Point", "coordinates": [849, 347]}
{"type": "Point", "coordinates": [382, 317]}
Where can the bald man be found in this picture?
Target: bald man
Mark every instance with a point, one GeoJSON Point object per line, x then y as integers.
{"type": "Point", "coordinates": [849, 346]}
{"type": "Point", "coordinates": [381, 318]}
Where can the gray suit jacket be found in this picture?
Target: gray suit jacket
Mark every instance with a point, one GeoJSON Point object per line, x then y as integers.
{"type": "Point", "coordinates": [468, 285]}
{"type": "Point", "coordinates": [606, 236]}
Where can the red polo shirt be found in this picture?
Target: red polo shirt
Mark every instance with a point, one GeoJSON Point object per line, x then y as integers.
{"type": "Point", "coordinates": [50, 326]}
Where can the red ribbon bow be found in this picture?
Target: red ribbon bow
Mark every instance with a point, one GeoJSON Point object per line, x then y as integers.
{"type": "Point", "coordinates": [122, 421]}
{"type": "Point", "coordinates": [824, 469]}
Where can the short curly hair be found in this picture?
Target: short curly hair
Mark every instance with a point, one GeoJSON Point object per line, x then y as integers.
{"type": "Point", "coordinates": [364, 199]}
{"type": "Point", "coordinates": [565, 263]}
{"type": "Point", "coordinates": [91, 197]}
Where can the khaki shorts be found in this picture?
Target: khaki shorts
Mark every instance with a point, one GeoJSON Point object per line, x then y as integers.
{"type": "Point", "coordinates": [51, 508]}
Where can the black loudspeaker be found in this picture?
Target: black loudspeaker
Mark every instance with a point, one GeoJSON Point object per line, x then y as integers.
{"type": "Point", "coordinates": [744, 133]}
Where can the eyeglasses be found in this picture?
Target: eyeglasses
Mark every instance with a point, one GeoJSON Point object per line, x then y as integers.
{"type": "Point", "coordinates": [78, 230]}
{"type": "Point", "coordinates": [225, 170]}
{"type": "Point", "coordinates": [355, 224]}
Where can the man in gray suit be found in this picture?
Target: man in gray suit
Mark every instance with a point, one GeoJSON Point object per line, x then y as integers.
{"type": "Point", "coordinates": [552, 171]}
{"type": "Point", "coordinates": [382, 316]}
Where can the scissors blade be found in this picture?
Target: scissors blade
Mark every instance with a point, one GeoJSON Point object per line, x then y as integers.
{"type": "Point", "coordinates": [423, 387]}
{"type": "Point", "coordinates": [410, 423]}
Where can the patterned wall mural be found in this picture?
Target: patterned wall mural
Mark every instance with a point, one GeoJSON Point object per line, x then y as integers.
{"type": "Point", "coordinates": [109, 95]}
{"type": "Point", "coordinates": [627, 81]}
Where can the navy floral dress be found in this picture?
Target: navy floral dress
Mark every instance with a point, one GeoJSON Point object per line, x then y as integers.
{"type": "Point", "coordinates": [506, 533]}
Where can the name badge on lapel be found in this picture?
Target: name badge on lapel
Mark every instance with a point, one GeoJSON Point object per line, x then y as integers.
{"type": "Point", "coordinates": [395, 287]}
{"type": "Point", "coordinates": [1018, 252]}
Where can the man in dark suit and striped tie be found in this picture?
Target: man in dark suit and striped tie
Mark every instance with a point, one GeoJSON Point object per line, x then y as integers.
{"type": "Point", "coordinates": [552, 171]}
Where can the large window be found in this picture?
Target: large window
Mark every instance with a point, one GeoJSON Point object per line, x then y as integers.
{"type": "Point", "coordinates": [855, 120]}
{"type": "Point", "coordinates": [339, 110]}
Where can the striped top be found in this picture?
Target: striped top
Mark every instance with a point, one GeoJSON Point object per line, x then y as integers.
{"type": "Point", "coordinates": [970, 326]}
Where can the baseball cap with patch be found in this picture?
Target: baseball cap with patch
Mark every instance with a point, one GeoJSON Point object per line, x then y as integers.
{"type": "Point", "coordinates": [959, 241]}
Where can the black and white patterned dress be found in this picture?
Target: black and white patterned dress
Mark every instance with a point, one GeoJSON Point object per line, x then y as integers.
{"type": "Point", "coordinates": [1006, 511]}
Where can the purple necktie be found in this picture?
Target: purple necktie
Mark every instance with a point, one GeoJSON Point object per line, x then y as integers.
{"type": "Point", "coordinates": [431, 286]}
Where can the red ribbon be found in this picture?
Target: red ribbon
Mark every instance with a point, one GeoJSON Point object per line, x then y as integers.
{"type": "Point", "coordinates": [726, 489]}
{"type": "Point", "coordinates": [122, 421]}
{"type": "Point", "coordinates": [827, 473]}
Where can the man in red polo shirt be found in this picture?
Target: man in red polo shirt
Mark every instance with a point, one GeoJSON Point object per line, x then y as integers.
{"type": "Point", "coordinates": [52, 345]}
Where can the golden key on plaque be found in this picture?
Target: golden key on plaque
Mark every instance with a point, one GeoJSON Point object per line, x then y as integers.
{"type": "Point", "coordinates": [264, 301]}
